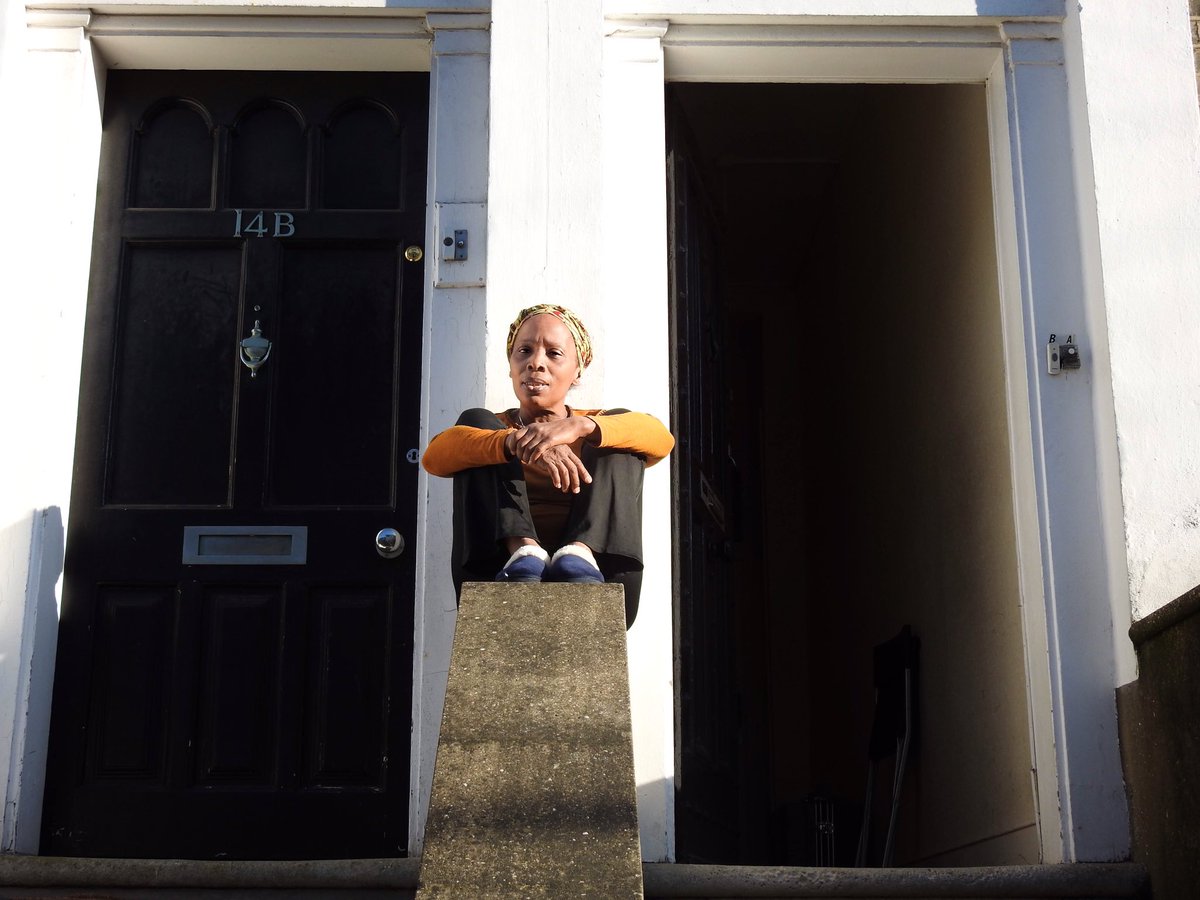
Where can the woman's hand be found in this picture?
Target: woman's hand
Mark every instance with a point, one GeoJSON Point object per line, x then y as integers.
{"type": "Point", "coordinates": [530, 443]}
{"type": "Point", "coordinates": [566, 470]}
{"type": "Point", "coordinates": [547, 446]}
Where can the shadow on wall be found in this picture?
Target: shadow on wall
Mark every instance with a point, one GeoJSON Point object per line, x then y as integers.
{"type": "Point", "coordinates": [28, 644]}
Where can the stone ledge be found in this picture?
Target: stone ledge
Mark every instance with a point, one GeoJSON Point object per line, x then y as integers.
{"type": "Point", "coordinates": [65, 871]}
{"type": "Point", "coordinates": [1078, 880]}
{"type": "Point", "coordinates": [665, 880]}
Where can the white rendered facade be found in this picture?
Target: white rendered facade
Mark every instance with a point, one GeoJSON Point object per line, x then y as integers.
{"type": "Point", "coordinates": [546, 134]}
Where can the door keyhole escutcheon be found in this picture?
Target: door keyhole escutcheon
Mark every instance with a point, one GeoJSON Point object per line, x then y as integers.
{"type": "Point", "coordinates": [389, 543]}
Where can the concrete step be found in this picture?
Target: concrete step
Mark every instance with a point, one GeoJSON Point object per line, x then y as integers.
{"type": "Point", "coordinates": [80, 878]}
{"type": "Point", "coordinates": [1118, 880]}
{"type": "Point", "coordinates": [90, 879]}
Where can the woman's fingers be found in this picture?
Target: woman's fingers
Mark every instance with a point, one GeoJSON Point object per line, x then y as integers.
{"type": "Point", "coordinates": [562, 473]}
{"type": "Point", "coordinates": [566, 470]}
{"type": "Point", "coordinates": [530, 446]}
{"type": "Point", "coordinates": [577, 474]}
{"type": "Point", "coordinates": [547, 446]}
{"type": "Point", "coordinates": [534, 440]}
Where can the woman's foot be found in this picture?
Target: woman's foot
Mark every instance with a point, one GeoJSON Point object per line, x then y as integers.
{"type": "Point", "coordinates": [574, 564]}
{"type": "Point", "coordinates": [526, 565]}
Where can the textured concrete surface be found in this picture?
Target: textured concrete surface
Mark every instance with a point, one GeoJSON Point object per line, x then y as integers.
{"type": "Point", "coordinates": [137, 879]}
{"type": "Point", "coordinates": [62, 872]}
{"type": "Point", "coordinates": [23, 893]}
{"type": "Point", "coordinates": [533, 788]}
{"type": "Point", "coordinates": [1013, 882]}
{"type": "Point", "coordinates": [68, 878]}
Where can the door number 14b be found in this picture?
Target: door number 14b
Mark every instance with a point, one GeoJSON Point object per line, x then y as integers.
{"type": "Point", "coordinates": [285, 224]}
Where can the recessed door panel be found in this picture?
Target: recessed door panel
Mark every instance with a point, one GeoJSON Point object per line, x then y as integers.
{"type": "Point", "coordinates": [269, 157]}
{"type": "Point", "coordinates": [242, 646]}
{"type": "Point", "coordinates": [345, 734]}
{"type": "Point", "coordinates": [364, 159]}
{"type": "Point", "coordinates": [173, 157]}
{"type": "Point", "coordinates": [172, 410]}
{"type": "Point", "coordinates": [131, 683]}
{"type": "Point", "coordinates": [338, 330]}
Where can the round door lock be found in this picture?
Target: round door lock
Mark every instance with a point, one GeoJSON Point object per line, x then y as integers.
{"type": "Point", "coordinates": [413, 253]}
{"type": "Point", "coordinates": [389, 543]}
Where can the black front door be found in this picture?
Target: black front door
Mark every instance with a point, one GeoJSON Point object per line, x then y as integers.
{"type": "Point", "coordinates": [235, 657]}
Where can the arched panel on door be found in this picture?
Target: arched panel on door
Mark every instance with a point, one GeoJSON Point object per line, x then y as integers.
{"type": "Point", "coordinates": [363, 158]}
{"type": "Point", "coordinates": [268, 153]}
{"type": "Point", "coordinates": [173, 157]}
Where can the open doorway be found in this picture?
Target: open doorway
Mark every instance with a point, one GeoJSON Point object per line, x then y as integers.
{"type": "Point", "coordinates": [843, 469]}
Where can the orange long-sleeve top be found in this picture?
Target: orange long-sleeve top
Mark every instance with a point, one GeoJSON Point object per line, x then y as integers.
{"type": "Point", "coordinates": [462, 447]}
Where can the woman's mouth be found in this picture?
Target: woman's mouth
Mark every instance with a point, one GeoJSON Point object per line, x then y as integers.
{"type": "Point", "coordinates": [536, 387]}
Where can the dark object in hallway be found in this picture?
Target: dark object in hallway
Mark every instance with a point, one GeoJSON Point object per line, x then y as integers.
{"type": "Point", "coordinates": [891, 730]}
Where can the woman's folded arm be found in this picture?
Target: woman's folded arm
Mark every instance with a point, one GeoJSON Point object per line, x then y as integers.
{"type": "Point", "coordinates": [636, 432]}
{"type": "Point", "coordinates": [462, 447]}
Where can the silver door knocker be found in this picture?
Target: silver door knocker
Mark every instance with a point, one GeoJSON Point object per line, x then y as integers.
{"type": "Point", "coordinates": [254, 349]}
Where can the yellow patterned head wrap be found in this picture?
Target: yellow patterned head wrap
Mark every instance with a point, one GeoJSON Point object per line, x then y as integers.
{"type": "Point", "coordinates": [583, 341]}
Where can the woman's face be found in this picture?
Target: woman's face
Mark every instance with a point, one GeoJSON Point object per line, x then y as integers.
{"type": "Point", "coordinates": [543, 364]}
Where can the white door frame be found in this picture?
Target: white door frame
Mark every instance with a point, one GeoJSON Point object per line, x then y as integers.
{"type": "Point", "coordinates": [1061, 431]}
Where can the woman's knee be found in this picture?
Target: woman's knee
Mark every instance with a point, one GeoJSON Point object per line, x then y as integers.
{"type": "Point", "coordinates": [607, 462]}
{"type": "Point", "coordinates": [480, 418]}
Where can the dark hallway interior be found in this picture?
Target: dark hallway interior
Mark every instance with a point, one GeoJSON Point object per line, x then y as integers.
{"type": "Point", "coordinates": [847, 335]}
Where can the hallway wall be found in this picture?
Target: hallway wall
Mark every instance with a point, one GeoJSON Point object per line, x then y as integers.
{"type": "Point", "coordinates": [886, 460]}
{"type": "Point", "coordinates": [928, 485]}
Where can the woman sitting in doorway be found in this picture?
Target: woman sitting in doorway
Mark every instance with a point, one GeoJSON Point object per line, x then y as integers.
{"type": "Point", "coordinates": [544, 492]}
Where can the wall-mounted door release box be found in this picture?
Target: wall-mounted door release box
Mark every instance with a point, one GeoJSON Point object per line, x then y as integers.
{"type": "Point", "coordinates": [461, 235]}
{"type": "Point", "coordinates": [1062, 356]}
{"type": "Point", "coordinates": [454, 245]}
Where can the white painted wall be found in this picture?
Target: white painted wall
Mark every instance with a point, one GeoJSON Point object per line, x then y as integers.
{"type": "Point", "coordinates": [891, 11]}
{"type": "Point", "coordinates": [1137, 100]}
{"type": "Point", "coordinates": [47, 85]}
{"type": "Point", "coordinates": [545, 190]}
